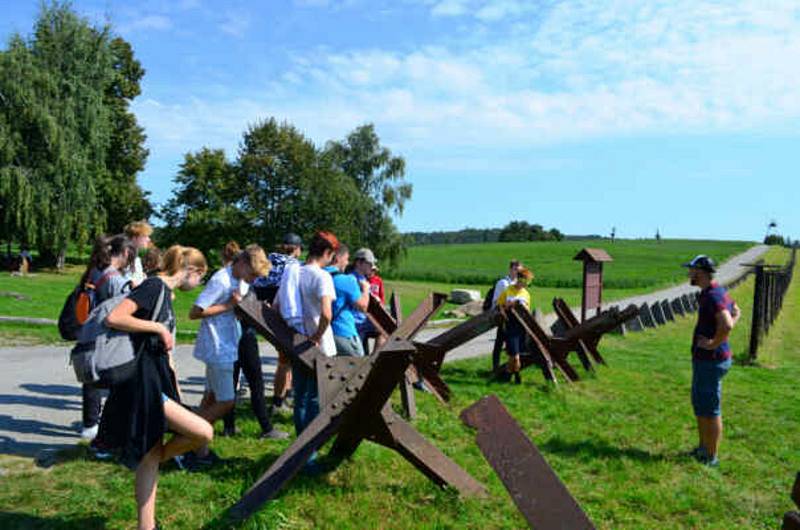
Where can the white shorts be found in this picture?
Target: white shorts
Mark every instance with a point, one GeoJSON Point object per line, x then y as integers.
{"type": "Point", "coordinates": [219, 380]}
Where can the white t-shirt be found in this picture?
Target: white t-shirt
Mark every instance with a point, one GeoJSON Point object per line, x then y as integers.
{"type": "Point", "coordinates": [288, 296]}
{"type": "Point", "coordinates": [314, 284]}
{"type": "Point", "coordinates": [218, 338]}
{"type": "Point", "coordinates": [501, 285]}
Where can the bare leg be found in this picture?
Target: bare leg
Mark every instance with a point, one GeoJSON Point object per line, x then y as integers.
{"type": "Point", "coordinates": [192, 430]}
{"type": "Point", "coordinates": [146, 486]}
{"type": "Point", "coordinates": [211, 411]}
{"type": "Point", "coordinates": [713, 435]}
{"type": "Point", "coordinates": [283, 377]}
{"type": "Point", "coordinates": [700, 431]}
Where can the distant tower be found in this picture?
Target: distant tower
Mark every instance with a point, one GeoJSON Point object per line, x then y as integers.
{"type": "Point", "coordinates": [658, 236]}
{"type": "Point", "coordinates": [772, 224]}
{"type": "Point", "coordinates": [613, 233]}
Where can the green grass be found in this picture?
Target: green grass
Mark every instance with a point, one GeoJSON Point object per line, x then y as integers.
{"type": "Point", "coordinates": [637, 263]}
{"type": "Point", "coordinates": [615, 439]}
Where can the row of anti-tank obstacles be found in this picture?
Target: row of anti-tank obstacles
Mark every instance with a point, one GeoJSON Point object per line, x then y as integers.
{"type": "Point", "coordinates": [660, 313]}
{"type": "Point", "coordinates": [354, 395]}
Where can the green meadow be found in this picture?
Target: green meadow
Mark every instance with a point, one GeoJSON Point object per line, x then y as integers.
{"type": "Point", "coordinates": [639, 266]}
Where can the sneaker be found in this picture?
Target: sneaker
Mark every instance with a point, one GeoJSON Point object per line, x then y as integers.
{"type": "Point", "coordinates": [89, 433]}
{"type": "Point", "coordinates": [100, 449]}
{"type": "Point", "coordinates": [420, 385]}
{"type": "Point", "coordinates": [182, 461]}
{"type": "Point", "coordinates": [699, 453]}
{"type": "Point", "coordinates": [274, 434]}
{"type": "Point", "coordinates": [283, 410]}
{"type": "Point", "coordinates": [206, 461]}
{"type": "Point", "coordinates": [710, 461]}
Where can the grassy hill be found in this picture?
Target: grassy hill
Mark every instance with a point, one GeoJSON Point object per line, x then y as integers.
{"type": "Point", "coordinates": [637, 263]}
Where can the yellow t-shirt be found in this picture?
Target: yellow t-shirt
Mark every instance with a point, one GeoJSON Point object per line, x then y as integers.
{"type": "Point", "coordinates": [515, 294]}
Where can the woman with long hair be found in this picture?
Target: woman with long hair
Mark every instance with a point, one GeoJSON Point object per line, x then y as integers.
{"type": "Point", "coordinates": [140, 410]}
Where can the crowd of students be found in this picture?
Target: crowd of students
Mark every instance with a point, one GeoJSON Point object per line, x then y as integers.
{"type": "Point", "coordinates": [325, 298]}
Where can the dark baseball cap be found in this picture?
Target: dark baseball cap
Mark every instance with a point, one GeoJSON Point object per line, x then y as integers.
{"type": "Point", "coordinates": [292, 239]}
{"type": "Point", "coordinates": [703, 262]}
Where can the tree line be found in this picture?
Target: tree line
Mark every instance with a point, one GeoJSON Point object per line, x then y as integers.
{"type": "Point", "coordinates": [280, 182]}
{"type": "Point", "coordinates": [513, 231]}
{"type": "Point", "coordinates": [70, 148]}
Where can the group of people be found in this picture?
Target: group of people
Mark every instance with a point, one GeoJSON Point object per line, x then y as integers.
{"type": "Point", "coordinates": [325, 298]}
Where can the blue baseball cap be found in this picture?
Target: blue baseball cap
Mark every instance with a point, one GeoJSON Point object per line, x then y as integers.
{"type": "Point", "coordinates": [702, 262]}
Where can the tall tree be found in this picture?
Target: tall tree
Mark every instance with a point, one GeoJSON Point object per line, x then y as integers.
{"type": "Point", "coordinates": [379, 175]}
{"type": "Point", "coordinates": [59, 117]}
{"type": "Point", "coordinates": [121, 196]}
{"type": "Point", "coordinates": [204, 210]}
{"type": "Point", "coordinates": [290, 189]}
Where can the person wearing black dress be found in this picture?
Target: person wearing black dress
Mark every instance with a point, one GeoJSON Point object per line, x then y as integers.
{"type": "Point", "coordinates": [139, 411]}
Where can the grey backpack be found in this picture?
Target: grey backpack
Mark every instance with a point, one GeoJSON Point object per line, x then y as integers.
{"type": "Point", "coordinates": [104, 355]}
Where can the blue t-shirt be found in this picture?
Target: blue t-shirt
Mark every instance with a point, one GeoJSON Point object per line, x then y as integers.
{"type": "Point", "coordinates": [359, 316]}
{"type": "Point", "coordinates": [713, 299]}
{"type": "Point", "coordinates": [347, 292]}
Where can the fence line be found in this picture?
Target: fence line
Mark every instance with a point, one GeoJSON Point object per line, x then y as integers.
{"type": "Point", "coordinates": [772, 281]}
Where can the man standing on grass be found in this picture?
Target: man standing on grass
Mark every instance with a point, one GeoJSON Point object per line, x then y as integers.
{"type": "Point", "coordinates": [711, 356]}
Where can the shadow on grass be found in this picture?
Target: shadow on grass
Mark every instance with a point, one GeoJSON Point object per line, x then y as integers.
{"type": "Point", "coordinates": [22, 521]}
{"type": "Point", "coordinates": [591, 449]}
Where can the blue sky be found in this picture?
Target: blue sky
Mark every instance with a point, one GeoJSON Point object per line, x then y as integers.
{"type": "Point", "coordinates": [682, 116]}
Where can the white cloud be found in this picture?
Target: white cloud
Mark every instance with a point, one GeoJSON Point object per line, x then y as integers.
{"type": "Point", "coordinates": [235, 23]}
{"type": "Point", "coordinates": [586, 70]}
{"type": "Point", "coordinates": [146, 22]}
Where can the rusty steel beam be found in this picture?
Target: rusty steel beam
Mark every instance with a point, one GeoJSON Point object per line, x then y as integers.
{"type": "Point", "coordinates": [420, 316]}
{"type": "Point", "coordinates": [269, 324]}
{"type": "Point", "coordinates": [535, 488]}
{"type": "Point", "coordinates": [552, 349]}
{"type": "Point", "coordinates": [384, 323]}
{"type": "Point", "coordinates": [395, 308]}
{"type": "Point", "coordinates": [565, 314]}
{"type": "Point", "coordinates": [354, 395]}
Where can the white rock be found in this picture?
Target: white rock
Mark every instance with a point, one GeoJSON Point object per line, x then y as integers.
{"type": "Point", "coordinates": [462, 296]}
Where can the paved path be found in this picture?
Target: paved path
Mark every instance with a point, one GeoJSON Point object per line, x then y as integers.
{"type": "Point", "coordinates": [40, 403]}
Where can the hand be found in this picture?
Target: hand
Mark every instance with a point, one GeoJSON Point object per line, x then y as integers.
{"type": "Point", "coordinates": [316, 339]}
{"type": "Point", "coordinates": [705, 343]}
{"type": "Point", "coordinates": [236, 297]}
{"type": "Point", "coordinates": [166, 337]}
{"type": "Point", "coordinates": [364, 285]}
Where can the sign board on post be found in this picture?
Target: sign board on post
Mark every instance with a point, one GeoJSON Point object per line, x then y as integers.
{"type": "Point", "coordinates": [593, 259]}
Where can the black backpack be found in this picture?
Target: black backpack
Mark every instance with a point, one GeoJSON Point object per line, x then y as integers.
{"type": "Point", "coordinates": [77, 306]}
{"type": "Point", "coordinates": [487, 300]}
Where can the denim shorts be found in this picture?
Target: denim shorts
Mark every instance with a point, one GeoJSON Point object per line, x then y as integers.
{"type": "Point", "coordinates": [349, 346]}
{"type": "Point", "coordinates": [219, 380]}
{"type": "Point", "coordinates": [707, 386]}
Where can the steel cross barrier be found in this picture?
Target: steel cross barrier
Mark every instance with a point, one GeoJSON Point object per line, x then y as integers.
{"type": "Point", "coordinates": [791, 520]}
{"type": "Point", "coordinates": [587, 346]}
{"type": "Point", "coordinates": [354, 394]}
{"type": "Point", "coordinates": [553, 351]}
{"type": "Point", "coordinates": [429, 356]}
{"type": "Point", "coordinates": [535, 488]}
{"type": "Point", "coordinates": [390, 322]}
